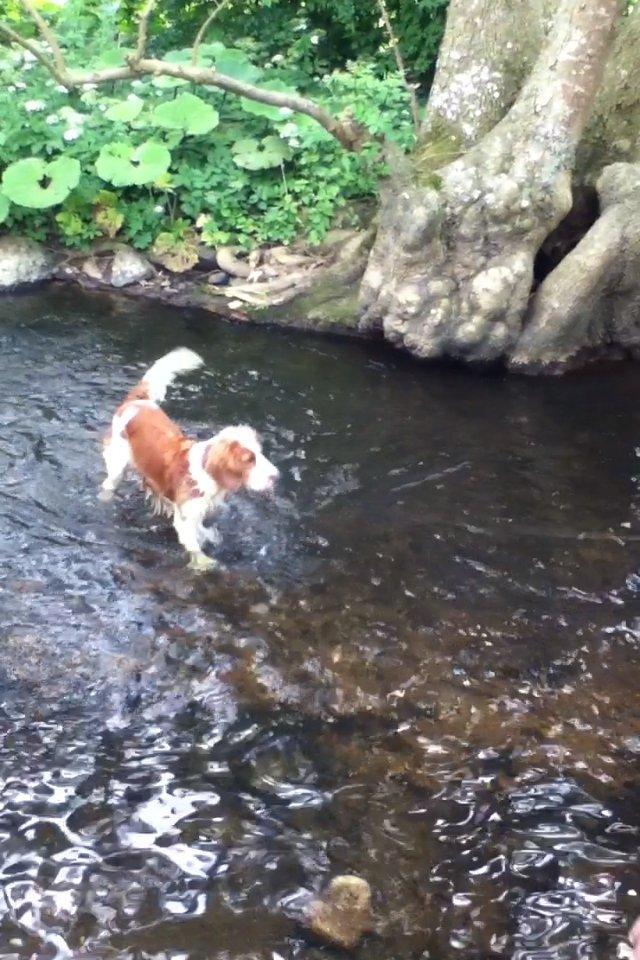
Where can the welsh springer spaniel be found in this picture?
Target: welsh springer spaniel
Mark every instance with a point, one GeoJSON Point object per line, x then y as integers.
{"type": "Point", "coordinates": [186, 479]}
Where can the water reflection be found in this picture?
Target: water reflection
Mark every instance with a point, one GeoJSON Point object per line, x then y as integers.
{"type": "Point", "coordinates": [420, 665]}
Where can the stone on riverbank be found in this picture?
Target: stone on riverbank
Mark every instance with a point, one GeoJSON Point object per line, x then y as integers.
{"type": "Point", "coordinates": [125, 267]}
{"type": "Point", "coordinates": [24, 262]}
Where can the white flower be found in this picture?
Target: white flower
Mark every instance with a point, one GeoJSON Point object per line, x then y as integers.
{"type": "Point", "coordinates": [294, 142]}
{"type": "Point", "coordinates": [72, 133]}
{"type": "Point", "coordinates": [11, 88]}
{"type": "Point", "coordinates": [158, 208]}
{"type": "Point", "coordinates": [52, 118]}
{"type": "Point", "coordinates": [315, 39]}
{"type": "Point", "coordinates": [290, 130]}
{"type": "Point", "coordinates": [277, 58]}
{"type": "Point", "coordinates": [28, 57]}
{"type": "Point", "coordinates": [72, 117]}
{"type": "Point", "coordinates": [32, 106]}
{"type": "Point", "coordinates": [20, 85]}
{"type": "Point", "coordinates": [61, 89]}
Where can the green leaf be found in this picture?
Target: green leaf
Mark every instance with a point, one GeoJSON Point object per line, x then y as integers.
{"type": "Point", "coordinates": [188, 113]}
{"type": "Point", "coordinates": [210, 51]}
{"type": "Point", "coordinates": [34, 183]}
{"type": "Point", "coordinates": [265, 109]}
{"type": "Point", "coordinates": [260, 154]}
{"type": "Point", "coordinates": [4, 207]}
{"type": "Point", "coordinates": [177, 254]}
{"type": "Point", "coordinates": [177, 56]}
{"type": "Point", "coordinates": [125, 110]}
{"type": "Point", "coordinates": [234, 63]}
{"type": "Point", "coordinates": [113, 57]}
{"type": "Point", "coordinates": [124, 165]}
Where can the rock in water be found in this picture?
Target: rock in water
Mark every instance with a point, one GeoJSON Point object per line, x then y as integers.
{"type": "Point", "coordinates": [343, 914]}
{"type": "Point", "coordinates": [23, 262]}
{"type": "Point", "coordinates": [634, 939]}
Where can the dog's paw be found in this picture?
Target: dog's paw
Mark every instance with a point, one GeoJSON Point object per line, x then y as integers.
{"type": "Point", "coordinates": [201, 563]}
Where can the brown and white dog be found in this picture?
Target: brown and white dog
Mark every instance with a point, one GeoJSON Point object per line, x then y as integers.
{"type": "Point", "coordinates": [185, 478]}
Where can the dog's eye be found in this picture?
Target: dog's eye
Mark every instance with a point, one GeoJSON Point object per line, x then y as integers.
{"type": "Point", "coordinates": [248, 457]}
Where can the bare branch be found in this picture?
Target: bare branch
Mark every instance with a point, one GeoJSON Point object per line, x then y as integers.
{"type": "Point", "coordinates": [347, 131]}
{"type": "Point", "coordinates": [48, 36]}
{"type": "Point", "coordinates": [34, 49]}
{"type": "Point", "coordinates": [143, 29]}
{"type": "Point", "coordinates": [205, 26]}
{"type": "Point", "coordinates": [350, 134]}
{"type": "Point", "coordinates": [415, 112]}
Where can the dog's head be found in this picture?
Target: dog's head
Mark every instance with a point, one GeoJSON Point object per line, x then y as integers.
{"type": "Point", "coordinates": [234, 460]}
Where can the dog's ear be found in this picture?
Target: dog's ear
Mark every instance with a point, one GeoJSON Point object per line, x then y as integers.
{"type": "Point", "coordinates": [228, 463]}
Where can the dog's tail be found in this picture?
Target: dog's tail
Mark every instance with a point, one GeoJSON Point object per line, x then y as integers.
{"type": "Point", "coordinates": [163, 372]}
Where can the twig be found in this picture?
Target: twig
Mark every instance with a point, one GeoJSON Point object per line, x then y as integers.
{"type": "Point", "coordinates": [205, 26]}
{"type": "Point", "coordinates": [143, 27]}
{"type": "Point", "coordinates": [346, 130]}
{"type": "Point", "coordinates": [48, 36]}
{"type": "Point", "coordinates": [415, 112]}
{"type": "Point", "coordinates": [32, 48]}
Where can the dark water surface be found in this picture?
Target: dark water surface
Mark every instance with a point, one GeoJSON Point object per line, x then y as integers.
{"type": "Point", "coordinates": [421, 665]}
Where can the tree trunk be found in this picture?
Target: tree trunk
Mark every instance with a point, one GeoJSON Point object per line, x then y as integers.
{"type": "Point", "coordinates": [451, 272]}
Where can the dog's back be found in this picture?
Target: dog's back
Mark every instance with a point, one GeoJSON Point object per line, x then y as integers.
{"type": "Point", "coordinates": [142, 435]}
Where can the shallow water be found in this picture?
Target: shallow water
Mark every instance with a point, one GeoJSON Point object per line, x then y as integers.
{"type": "Point", "coordinates": [420, 665]}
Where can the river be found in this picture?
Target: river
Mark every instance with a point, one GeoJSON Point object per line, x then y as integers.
{"type": "Point", "coordinates": [420, 664]}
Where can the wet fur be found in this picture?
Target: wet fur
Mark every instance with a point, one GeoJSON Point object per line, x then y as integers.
{"type": "Point", "coordinates": [181, 477]}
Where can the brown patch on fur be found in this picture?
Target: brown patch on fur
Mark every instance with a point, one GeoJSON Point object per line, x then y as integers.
{"type": "Point", "coordinates": [160, 453]}
{"type": "Point", "coordinates": [229, 464]}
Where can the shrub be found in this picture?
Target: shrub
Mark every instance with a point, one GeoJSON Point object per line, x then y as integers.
{"type": "Point", "coordinates": [138, 157]}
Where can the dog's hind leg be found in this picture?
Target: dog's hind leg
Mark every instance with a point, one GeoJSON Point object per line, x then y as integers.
{"type": "Point", "coordinates": [117, 457]}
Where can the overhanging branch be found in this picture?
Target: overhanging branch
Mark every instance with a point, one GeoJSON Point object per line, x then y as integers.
{"type": "Point", "coordinates": [205, 26]}
{"type": "Point", "coordinates": [143, 28]}
{"type": "Point", "coordinates": [33, 48]}
{"type": "Point", "coordinates": [346, 131]}
{"type": "Point", "coordinates": [47, 35]}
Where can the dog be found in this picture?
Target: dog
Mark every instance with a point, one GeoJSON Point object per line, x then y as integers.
{"type": "Point", "coordinates": [185, 478]}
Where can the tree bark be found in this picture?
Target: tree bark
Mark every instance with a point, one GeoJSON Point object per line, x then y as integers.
{"type": "Point", "coordinates": [451, 271]}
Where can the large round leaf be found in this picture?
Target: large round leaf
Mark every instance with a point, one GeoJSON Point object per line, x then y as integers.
{"type": "Point", "coordinates": [125, 110]}
{"type": "Point", "coordinates": [112, 57]}
{"type": "Point", "coordinates": [37, 184]}
{"type": "Point", "coordinates": [260, 154]}
{"type": "Point", "coordinates": [178, 56]}
{"type": "Point", "coordinates": [234, 63]}
{"type": "Point", "coordinates": [124, 165]}
{"type": "Point", "coordinates": [4, 207]}
{"type": "Point", "coordinates": [187, 113]}
{"type": "Point", "coordinates": [265, 109]}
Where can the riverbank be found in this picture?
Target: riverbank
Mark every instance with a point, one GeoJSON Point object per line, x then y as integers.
{"type": "Point", "coordinates": [297, 287]}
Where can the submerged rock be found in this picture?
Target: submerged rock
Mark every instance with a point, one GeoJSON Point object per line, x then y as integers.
{"type": "Point", "coordinates": [23, 262]}
{"type": "Point", "coordinates": [634, 939]}
{"type": "Point", "coordinates": [343, 914]}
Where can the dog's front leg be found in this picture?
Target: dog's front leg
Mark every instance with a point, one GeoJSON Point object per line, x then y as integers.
{"type": "Point", "coordinates": [187, 521]}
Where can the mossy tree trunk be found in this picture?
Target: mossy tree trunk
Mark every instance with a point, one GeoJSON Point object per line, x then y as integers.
{"type": "Point", "coordinates": [451, 272]}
